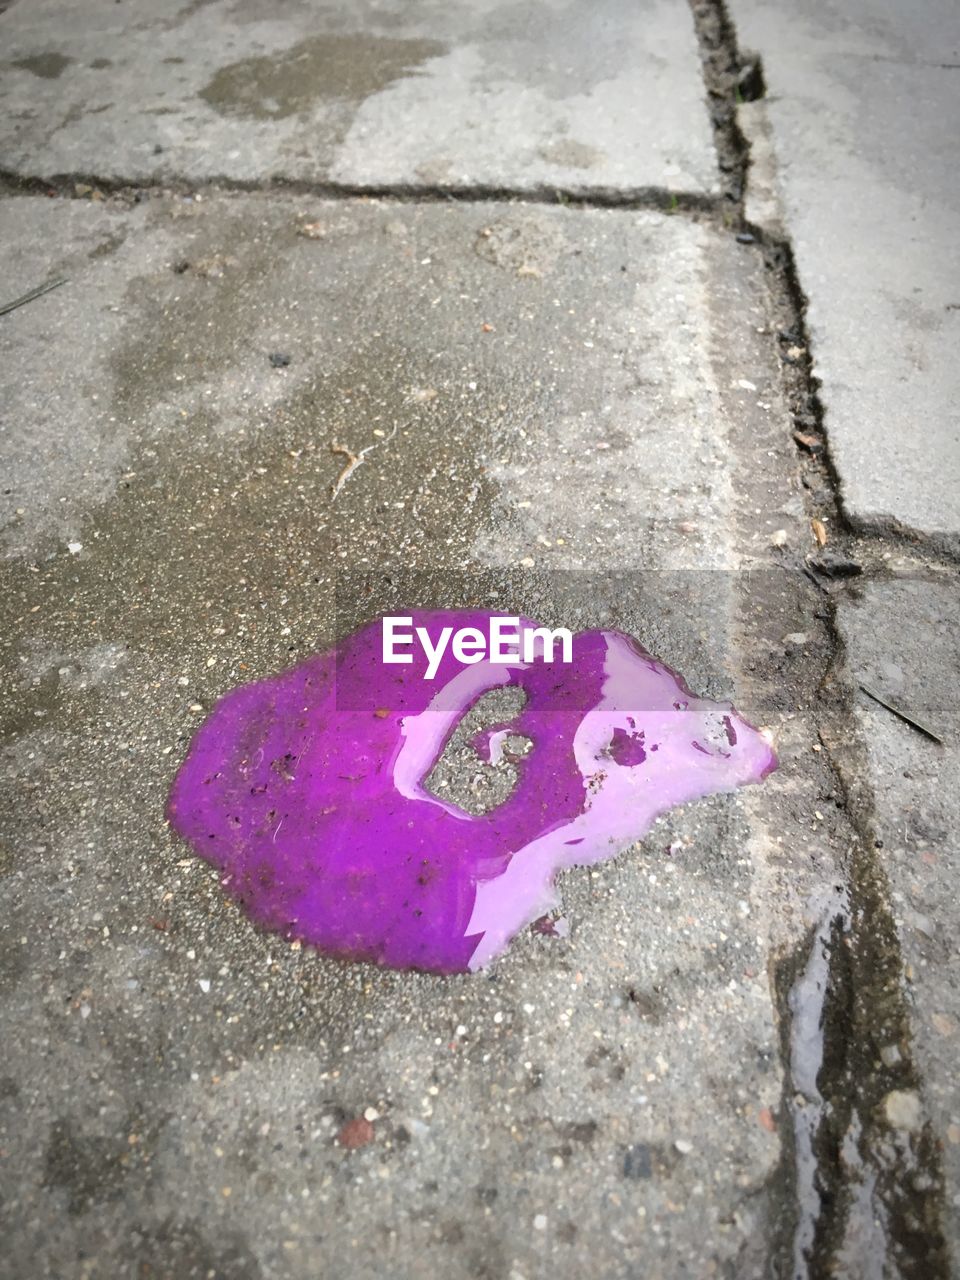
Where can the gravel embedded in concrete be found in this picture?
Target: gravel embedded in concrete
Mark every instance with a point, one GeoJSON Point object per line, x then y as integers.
{"type": "Point", "coordinates": [602, 1099]}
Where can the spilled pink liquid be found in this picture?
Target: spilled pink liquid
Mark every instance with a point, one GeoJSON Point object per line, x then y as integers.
{"type": "Point", "coordinates": [306, 790]}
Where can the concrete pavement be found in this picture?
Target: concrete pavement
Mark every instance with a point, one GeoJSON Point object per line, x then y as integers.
{"type": "Point", "coordinates": [860, 103]}
{"type": "Point", "coordinates": [544, 95]}
{"type": "Point", "coordinates": [731, 1057]}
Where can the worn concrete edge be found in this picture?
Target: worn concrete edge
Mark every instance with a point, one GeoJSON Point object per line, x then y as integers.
{"type": "Point", "coordinates": [761, 215]}
{"type": "Point", "coordinates": [865, 999]}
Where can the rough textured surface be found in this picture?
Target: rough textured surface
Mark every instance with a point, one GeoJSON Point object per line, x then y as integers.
{"type": "Point", "coordinates": [862, 102]}
{"type": "Point", "coordinates": [916, 785]}
{"type": "Point", "coordinates": [547, 93]}
{"type": "Point", "coordinates": [573, 389]}
{"type": "Point", "coordinates": [599, 331]}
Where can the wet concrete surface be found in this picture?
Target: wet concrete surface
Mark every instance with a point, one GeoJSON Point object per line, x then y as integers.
{"type": "Point", "coordinates": [540, 95]}
{"type": "Point", "coordinates": [914, 822]}
{"type": "Point", "coordinates": [606, 1098]}
{"type": "Point", "coordinates": [728, 1051]}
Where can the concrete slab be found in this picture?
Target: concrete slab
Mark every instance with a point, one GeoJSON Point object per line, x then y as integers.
{"type": "Point", "coordinates": [862, 101]}
{"type": "Point", "coordinates": [903, 641]}
{"type": "Point", "coordinates": [573, 390]}
{"type": "Point", "coordinates": [545, 94]}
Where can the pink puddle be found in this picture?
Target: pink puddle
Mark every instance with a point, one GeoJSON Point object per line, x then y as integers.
{"type": "Point", "coordinates": [306, 790]}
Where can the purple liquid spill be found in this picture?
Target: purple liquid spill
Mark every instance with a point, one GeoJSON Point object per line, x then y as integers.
{"type": "Point", "coordinates": [306, 790]}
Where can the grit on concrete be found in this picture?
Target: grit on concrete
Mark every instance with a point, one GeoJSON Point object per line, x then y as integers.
{"type": "Point", "coordinates": [602, 1101]}
{"type": "Point", "coordinates": [580, 413]}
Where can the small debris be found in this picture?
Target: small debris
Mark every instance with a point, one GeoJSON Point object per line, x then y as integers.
{"type": "Point", "coordinates": [778, 538]}
{"type": "Point", "coordinates": [382, 712]}
{"type": "Point", "coordinates": [903, 1111]}
{"type": "Point", "coordinates": [745, 385]}
{"type": "Point", "coordinates": [34, 293]}
{"type": "Point", "coordinates": [903, 715]}
{"type": "Point", "coordinates": [809, 441]}
{"type": "Point", "coordinates": [551, 926]}
{"type": "Point", "coordinates": [540, 1222]}
{"type": "Point", "coordinates": [354, 459]}
{"type": "Point", "coordinates": [890, 1055]}
{"type": "Point", "coordinates": [356, 1133]}
{"type": "Point", "coordinates": [745, 237]}
{"type": "Point", "coordinates": [683, 1146]}
{"type": "Point", "coordinates": [835, 564]}
{"type": "Point", "coordinates": [765, 1116]}
{"type": "Point", "coordinates": [819, 532]}
{"type": "Point", "coordinates": [313, 230]}
{"type": "Point", "coordinates": [487, 328]}
{"type": "Point", "coordinates": [74, 548]}
{"type": "Point", "coordinates": [279, 360]}
{"type": "Point", "coordinates": [214, 266]}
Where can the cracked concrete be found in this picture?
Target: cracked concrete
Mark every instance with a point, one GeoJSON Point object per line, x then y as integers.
{"type": "Point", "coordinates": [593, 413]}
{"type": "Point", "coordinates": [208, 554]}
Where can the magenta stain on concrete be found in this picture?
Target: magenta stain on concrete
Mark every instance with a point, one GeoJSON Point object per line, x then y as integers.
{"type": "Point", "coordinates": [306, 790]}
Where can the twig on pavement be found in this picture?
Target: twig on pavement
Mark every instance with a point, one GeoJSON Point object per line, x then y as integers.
{"type": "Point", "coordinates": [34, 293]}
{"type": "Point", "coordinates": [354, 459]}
{"type": "Point", "coordinates": [903, 715]}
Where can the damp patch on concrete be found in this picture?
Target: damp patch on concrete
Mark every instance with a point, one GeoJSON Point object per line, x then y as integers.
{"type": "Point", "coordinates": [348, 68]}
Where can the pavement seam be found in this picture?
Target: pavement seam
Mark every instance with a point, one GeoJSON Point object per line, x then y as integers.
{"type": "Point", "coordinates": [660, 199]}
{"type": "Point", "coordinates": [811, 429]}
{"type": "Point", "coordinates": [863, 1005]}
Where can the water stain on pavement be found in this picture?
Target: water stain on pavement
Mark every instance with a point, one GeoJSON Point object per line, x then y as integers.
{"type": "Point", "coordinates": [47, 66]}
{"type": "Point", "coordinates": [345, 68]}
{"type": "Point", "coordinates": [306, 789]}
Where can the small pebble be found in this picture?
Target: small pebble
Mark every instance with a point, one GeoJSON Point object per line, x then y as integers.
{"type": "Point", "coordinates": [890, 1055]}
{"type": "Point", "coordinates": [355, 1133]}
{"type": "Point", "coordinates": [902, 1110]}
